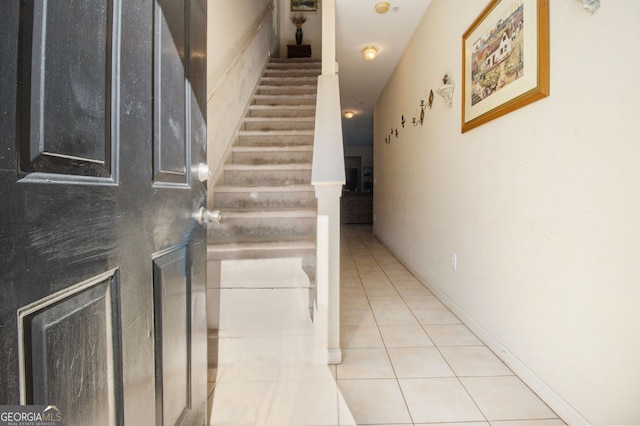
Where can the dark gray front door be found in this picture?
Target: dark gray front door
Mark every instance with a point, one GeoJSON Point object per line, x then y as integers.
{"type": "Point", "coordinates": [102, 265]}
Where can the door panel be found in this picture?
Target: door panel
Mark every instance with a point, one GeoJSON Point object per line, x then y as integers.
{"type": "Point", "coordinates": [102, 266]}
{"type": "Point", "coordinates": [172, 323]}
{"type": "Point", "coordinates": [170, 150]}
{"type": "Point", "coordinates": [65, 87]}
{"type": "Point", "coordinates": [71, 349]}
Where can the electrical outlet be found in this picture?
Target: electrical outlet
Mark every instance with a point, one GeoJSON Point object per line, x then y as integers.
{"type": "Point", "coordinates": [454, 261]}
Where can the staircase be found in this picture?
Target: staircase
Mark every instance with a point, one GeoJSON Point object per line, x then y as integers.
{"type": "Point", "coordinates": [267, 201]}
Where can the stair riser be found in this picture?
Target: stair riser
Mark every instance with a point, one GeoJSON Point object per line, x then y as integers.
{"type": "Point", "coordinates": [285, 112]}
{"type": "Point", "coordinates": [286, 81]}
{"type": "Point", "coordinates": [287, 90]}
{"type": "Point", "coordinates": [290, 73]}
{"type": "Point", "coordinates": [267, 177]}
{"type": "Point", "coordinates": [275, 140]}
{"type": "Point", "coordinates": [277, 124]}
{"type": "Point", "coordinates": [308, 256]}
{"type": "Point", "coordinates": [287, 66]}
{"type": "Point", "coordinates": [246, 229]}
{"type": "Point", "coordinates": [284, 100]}
{"type": "Point", "coordinates": [264, 200]}
{"type": "Point", "coordinates": [257, 158]}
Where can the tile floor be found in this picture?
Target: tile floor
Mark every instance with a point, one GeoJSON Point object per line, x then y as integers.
{"type": "Point", "coordinates": [407, 360]}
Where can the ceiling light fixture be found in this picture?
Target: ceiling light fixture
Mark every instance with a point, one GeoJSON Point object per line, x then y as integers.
{"type": "Point", "coordinates": [348, 114]}
{"type": "Point", "coordinates": [382, 7]}
{"type": "Point", "coordinates": [369, 53]}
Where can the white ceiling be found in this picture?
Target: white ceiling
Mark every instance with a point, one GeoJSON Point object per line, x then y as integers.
{"type": "Point", "coordinates": [358, 25]}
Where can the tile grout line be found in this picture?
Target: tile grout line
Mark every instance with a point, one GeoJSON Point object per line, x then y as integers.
{"type": "Point", "coordinates": [386, 349]}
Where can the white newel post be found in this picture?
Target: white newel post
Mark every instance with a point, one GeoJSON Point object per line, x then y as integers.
{"type": "Point", "coordinates": [328, 177]}
{"type": "Point", "coordinates": [328, 196]}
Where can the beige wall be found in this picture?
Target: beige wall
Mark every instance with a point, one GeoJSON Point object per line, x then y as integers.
{"type": "Point", "coordinates": [542, 206]}
{"type": "Point", "coordinates": [236, 58]}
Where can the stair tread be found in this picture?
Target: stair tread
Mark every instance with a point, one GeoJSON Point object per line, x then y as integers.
{"type": "Point", "coordinates": [268, 213]}
{"type": "Point", "coordinates": [273, 188]}
{"type": "Point", "coordinates": [297, 79]}
{"type": "Point", "coordinates": [279, 166]}
{"type": "Point", "coordinates": [277, 119]}
{"type": "Point", "coordinates": [254, 106]}
{"type": "Point", "coordinates": [276, 132]}
{"type": "Point", "coordinates": [285, 96]}
{"type": "Point", "coordinates": [291, 243]}
{"type": "Point", "coordinates": [265, 149]}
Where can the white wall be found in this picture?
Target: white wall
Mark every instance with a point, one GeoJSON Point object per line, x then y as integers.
{"type": "Point", "coordinates": [542, 206]}
{"type": "Point", "coordinates": [235, 61]}
{"type": "Point", "coordinates": [312, 29]}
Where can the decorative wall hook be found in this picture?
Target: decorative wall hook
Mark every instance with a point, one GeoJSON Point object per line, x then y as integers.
{"type": "Point", "coordinates": [446, 91]}
{"type": "Point", "coordinates": [421, 120]}
{"type": "Point", "coordinates": [591, 5]}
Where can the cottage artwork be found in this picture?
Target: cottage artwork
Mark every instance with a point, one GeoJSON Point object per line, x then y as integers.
{"type": "Point", "coordinates": [497, 55]}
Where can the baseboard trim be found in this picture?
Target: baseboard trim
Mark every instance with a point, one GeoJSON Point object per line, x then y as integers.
{"type": "Point", "coordinates": [559, 405]}
{"type": "Point", "coordinates": [334, 356]}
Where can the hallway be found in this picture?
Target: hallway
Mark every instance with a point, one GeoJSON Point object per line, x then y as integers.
{"type": "Point", "coordinates": [406, 359]}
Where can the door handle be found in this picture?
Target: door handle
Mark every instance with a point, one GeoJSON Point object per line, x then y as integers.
{"type": "Point", "coordinates": [203, 216]}
{"type": "Point", "coordinates": [202, 171]}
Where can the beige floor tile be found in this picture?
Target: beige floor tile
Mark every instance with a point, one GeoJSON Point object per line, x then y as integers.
{"type": "Point", "coordinates": [435, 316]}
{"type": "Point", "coordinates": [397, 316]}
{"type": "Point", "coordinates": [357, 317]}
{"type": "Point", "coordinates": [506, 398]}
{"type": "Point", "coordinates": [375, 401]}
{"type": "Point", "coordinates": [297, 402]}
{"type": "Point", "coordinates": [402, 277]}
{"type": "Point", "coordinates": [423, 302]}
{"type": "Point", "coordinates": [380, 290]}
{"type": "Point", "coordinates": [387, 302]}
{"type": "Point", "coordinates": [412, 289]}
{"type": "Point", "coordinates": [350, 282]}
{"type": "Point", "coordinates": [404, 336]}
{"type": "Point", "coordinates": [451, 335]}
{"type": "Point", "coordinates": [375, 281]}
{"type": "Point", "coordinates": [545, 422]}
{"type": "Point", "coordinates": [393, 267]}
{"type": "Point", "coordinates": [354, 302]}
{"type": "Point", "coordinates": [365, 364]}
{"type": "Point", "coordinates": [412, 363]}
{"type": "Point", "coordinates": [474, 361]}
{"type": "Point", "coordinates": [352, 291]}
{"type": "Point", "coordinates": [373, 276]}
{"type": "Point", "coordinates": [439, 400]}
{"type": "Point", "coordinates": [454, 424]}
{"type": "Point", "coordinates": [360, 337]}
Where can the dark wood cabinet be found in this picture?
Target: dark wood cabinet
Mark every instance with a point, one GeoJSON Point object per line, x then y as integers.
{"type": "Point", "coordinates": [298, 50]}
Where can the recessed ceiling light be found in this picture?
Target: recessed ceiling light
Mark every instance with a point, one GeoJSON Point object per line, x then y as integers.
{"type": "Point", "coordinates": [382, 7]}
{"type": "Point", "coordinates": [348, 114]}
{"type": "Point", "coordinates": [369, 53]}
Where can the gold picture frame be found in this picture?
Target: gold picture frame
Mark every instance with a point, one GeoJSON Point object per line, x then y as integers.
{"type": "Point", "coordinates": [304, 5]}
{"type": "Point", "coordinates": [505, 60]}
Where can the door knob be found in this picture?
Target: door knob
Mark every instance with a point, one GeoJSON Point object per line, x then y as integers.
{"type": "Point", "coordinates": [203, 216]}
{"type": "Point", "coordinates": [202, 172]}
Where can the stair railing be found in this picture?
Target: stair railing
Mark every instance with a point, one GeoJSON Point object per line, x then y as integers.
{"type": "Point", "coordinates": [328, 177]}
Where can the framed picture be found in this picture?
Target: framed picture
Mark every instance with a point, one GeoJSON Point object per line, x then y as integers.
{"type": "Point", "coordinates": [304, 5]}
{"type": "Point", "coordinates": [505, 60]}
